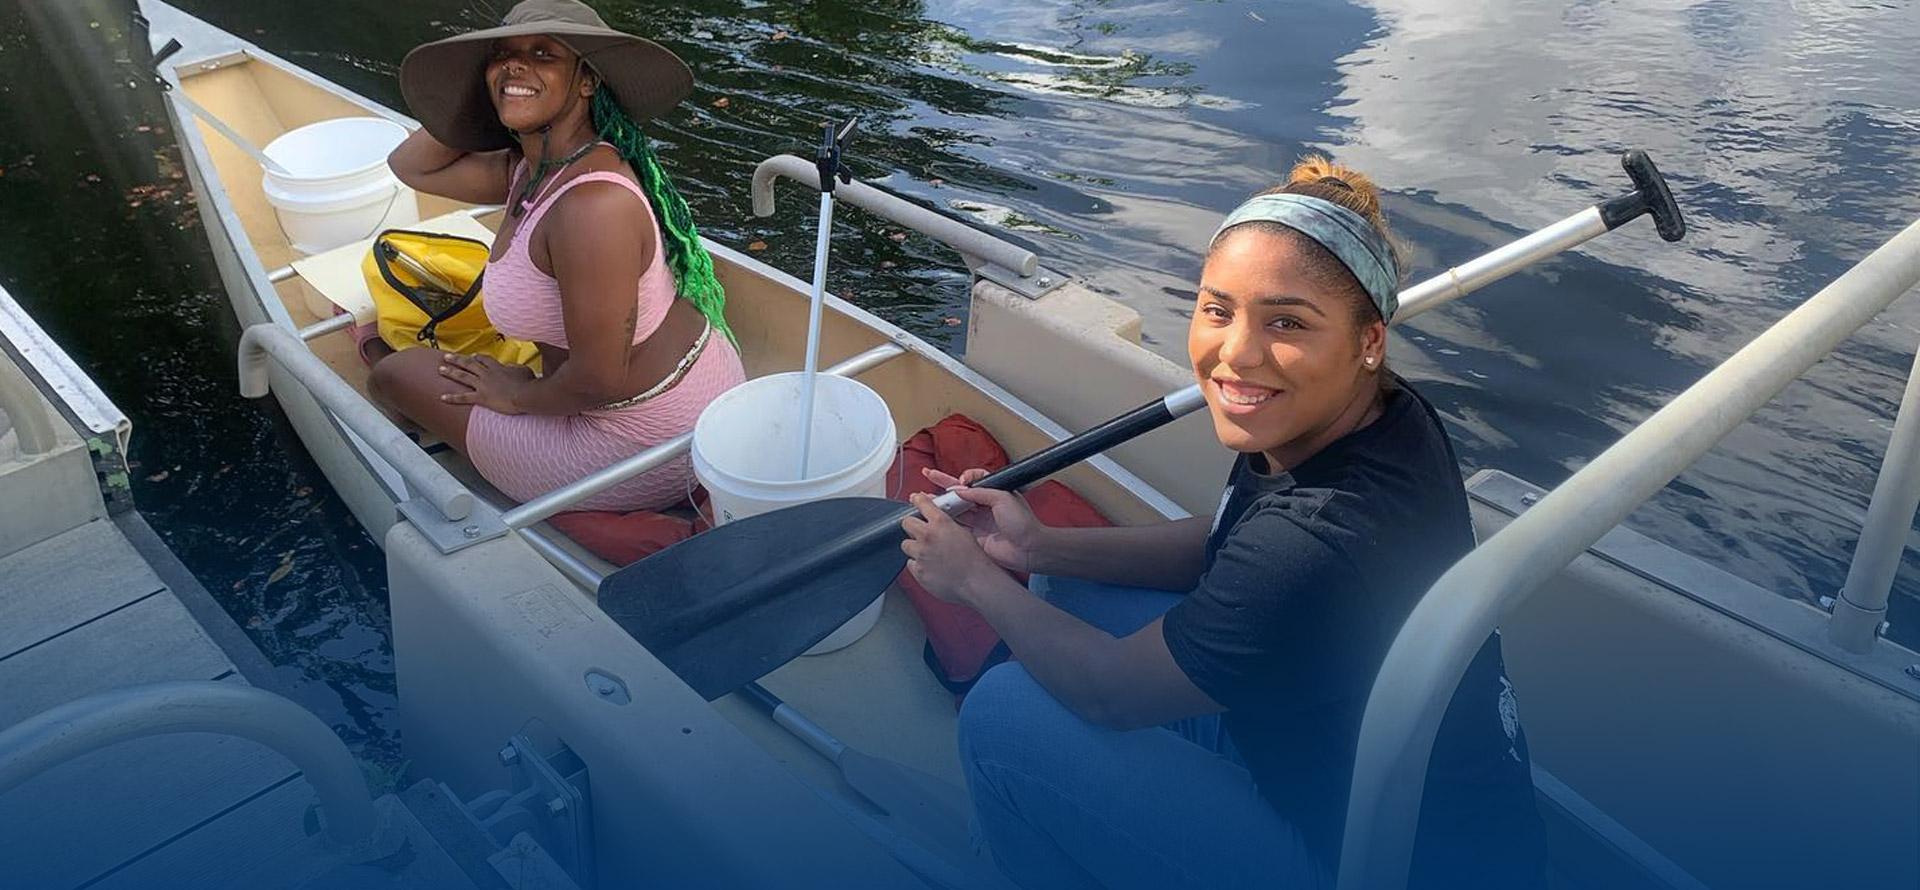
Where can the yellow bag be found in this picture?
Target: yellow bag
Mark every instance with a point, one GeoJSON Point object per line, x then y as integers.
{"type": "Point", "coordinates": [426, 292]}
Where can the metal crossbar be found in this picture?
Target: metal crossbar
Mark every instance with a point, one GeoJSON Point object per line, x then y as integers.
{"type": "Point", "coordinates": [1446, 628]}
{"type": "Point", "coordinates": [427, 479]}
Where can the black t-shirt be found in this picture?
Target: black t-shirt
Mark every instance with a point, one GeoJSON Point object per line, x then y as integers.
{"type": "Point", "coordinates": [1310, 574]}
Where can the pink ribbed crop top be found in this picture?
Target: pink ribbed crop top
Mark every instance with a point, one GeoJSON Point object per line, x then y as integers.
{"type": "Point", "coordinates": [524, 302]}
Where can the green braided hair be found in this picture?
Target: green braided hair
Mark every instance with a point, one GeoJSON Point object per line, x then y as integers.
{"type": "Point", "coordinates": [691, 264]}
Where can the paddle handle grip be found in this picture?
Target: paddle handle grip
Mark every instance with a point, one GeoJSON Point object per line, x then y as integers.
{"type": "Point", "coordinates": [794, 722]}
{"type": "Point", "coordinates": [1650, 196]}
{"type": "Point", "coordinates": [1061, 455]}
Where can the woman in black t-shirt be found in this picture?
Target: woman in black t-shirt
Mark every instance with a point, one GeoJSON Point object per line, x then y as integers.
{"type": "Point", "coordinates": [1146, 738]}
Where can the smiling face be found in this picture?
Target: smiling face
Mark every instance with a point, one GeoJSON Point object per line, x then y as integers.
{"type": "Point", "coordinates": [530, 80]}
{"type": "Point", "coordinates": [1284, 358]}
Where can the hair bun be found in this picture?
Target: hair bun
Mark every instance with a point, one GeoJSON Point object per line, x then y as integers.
{"type": "Point", "coordinates": [1364, 197]}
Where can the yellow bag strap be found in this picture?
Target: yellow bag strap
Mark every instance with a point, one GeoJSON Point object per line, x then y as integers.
{"type": "Point", "coordinates": [384, 253]}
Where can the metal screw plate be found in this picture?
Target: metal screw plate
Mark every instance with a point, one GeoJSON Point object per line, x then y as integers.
{"type": "Point", "coordinates": [608, 687]}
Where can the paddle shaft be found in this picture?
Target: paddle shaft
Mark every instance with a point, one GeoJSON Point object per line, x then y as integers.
{"type": "Point", "coordinates": [795, 722]}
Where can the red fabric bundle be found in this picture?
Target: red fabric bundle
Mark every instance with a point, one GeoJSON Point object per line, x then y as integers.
{"type": "Point", "coordinates": [960, 644]}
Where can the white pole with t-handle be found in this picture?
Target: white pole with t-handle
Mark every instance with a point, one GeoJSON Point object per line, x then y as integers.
{"type": "Point", "coordinates": [828, 161]}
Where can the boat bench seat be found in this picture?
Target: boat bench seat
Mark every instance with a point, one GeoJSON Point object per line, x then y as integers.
{"type": "Point", "coordinates": [335, 274]}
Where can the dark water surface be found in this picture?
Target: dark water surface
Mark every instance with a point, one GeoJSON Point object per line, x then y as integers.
{"type": "Point", "coordinates": [1110, 136]}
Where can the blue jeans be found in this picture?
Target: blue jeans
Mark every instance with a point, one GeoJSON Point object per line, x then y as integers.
{"type": "Point", "coordinates": [1063, 803]}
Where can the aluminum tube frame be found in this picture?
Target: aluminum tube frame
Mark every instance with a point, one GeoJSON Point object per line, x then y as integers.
{"type": "Point", "coordinates": [427, 479]}
{"type": "Point", "coordinates": [607, 477]}
{"type": "Point", "coordinates": [322, 328]}
{"type": "Point", "coordinates": [973, 244]}
{"type": "Point", "coordinates": [575, 568]}
{"type": "Point", "coordinates": [67, 731]}
{"type": "Point", "coordinates": [1454, 618]}
{"type": "Point", "coordinates": [1861, 607]}
{"type": "Point", "coordinates": [1488, 268]}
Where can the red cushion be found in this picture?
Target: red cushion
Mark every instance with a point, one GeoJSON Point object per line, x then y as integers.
{"type": "Point", "coordinates": [960, 643]}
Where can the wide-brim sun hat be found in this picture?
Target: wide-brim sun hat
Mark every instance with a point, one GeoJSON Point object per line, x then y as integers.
{"type": "Point", "coordinates": [444, 82]}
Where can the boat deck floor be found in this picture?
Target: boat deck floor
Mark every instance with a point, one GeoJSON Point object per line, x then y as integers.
{"type": "Point", "coordinates": [104, 606]}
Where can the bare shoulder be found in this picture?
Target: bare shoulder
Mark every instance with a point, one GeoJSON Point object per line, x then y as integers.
{"type": "Point", "coordinates": [599, 223]}
{"type": "Point", "coordinates": [604, 204]}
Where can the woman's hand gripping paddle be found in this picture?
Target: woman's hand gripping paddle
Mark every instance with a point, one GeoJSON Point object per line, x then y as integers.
{"type": "Point", "coordinates": [727, 606]}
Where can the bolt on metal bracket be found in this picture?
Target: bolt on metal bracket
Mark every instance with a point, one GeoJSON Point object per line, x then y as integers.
{"type": "Point", "coordinates": [1042, 282]}
{"type": "Point", "coordinates": [549, 800]}
{"type": "Point", "coordinates": [452, 536]}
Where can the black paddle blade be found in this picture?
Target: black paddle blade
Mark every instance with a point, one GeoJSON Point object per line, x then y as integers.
{"type": "Point", "coordinates": [727, 606]}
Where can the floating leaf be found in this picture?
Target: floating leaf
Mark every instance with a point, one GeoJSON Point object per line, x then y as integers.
{"type": "Point", "coordinates": [898, 236]}
{"type": "Point", "coordinates": [285, 567]}
{"type": "Point", "coordinates": [936, 182]}
{"type": "Point", "coordinates": [302, 491]}
{"type": "Point", "coordinates": [950, 321]}
{"type": "Point", "coordinates": [888, 264]}
{"type": "Point", "coordinates": [722, 102]}
{"type": "Point", "coordinates": [779, 35]}
{"type": "Point", "coordinates": [757, 246]}
{"type": "Point", "coordinates": [158, 477]}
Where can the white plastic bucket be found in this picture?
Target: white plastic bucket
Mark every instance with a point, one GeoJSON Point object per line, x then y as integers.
{"type": "Point", "coordinates": [746, 451]}
{"type": "Point", "coordinates": [337, 188]}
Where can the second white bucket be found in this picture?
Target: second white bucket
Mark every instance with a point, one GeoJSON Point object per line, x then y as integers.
{"type": "Point", "coordinates": [337, 188]}
{"type": "Point", "coordinates": [746, 451]}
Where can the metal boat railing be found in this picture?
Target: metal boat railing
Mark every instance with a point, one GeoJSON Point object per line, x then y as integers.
{"type": "Point", "coordinates": [989, 257]}
{"type": "Point", "coordinates": [423, 476]}
{"type": "Point", "coordinates": [1440, 637]}
{"type": "Point", "coordinates": [65, 732]}
{"type": "Point", "coordinates": [1860, 608]}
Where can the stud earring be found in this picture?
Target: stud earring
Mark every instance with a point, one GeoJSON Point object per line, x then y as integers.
{"type": "Point", "coordinates": [1369, 361]}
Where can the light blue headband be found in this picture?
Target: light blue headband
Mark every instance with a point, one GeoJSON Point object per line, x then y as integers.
{"type": "Point", "coordinates": [1346, 234]}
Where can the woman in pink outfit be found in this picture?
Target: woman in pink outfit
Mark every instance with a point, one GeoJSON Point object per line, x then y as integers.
{"type": "Point", "coordinates": [597, 262]}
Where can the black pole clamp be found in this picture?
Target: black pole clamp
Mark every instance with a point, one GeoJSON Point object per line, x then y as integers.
{"type": "Point", "coordinates": [1650, 195]}
{"type": "Point", "coordinates": [828, 159]}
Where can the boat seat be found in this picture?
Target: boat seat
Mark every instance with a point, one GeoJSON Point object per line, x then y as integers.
{"type": "Point", "coordinates": [335, 274]}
